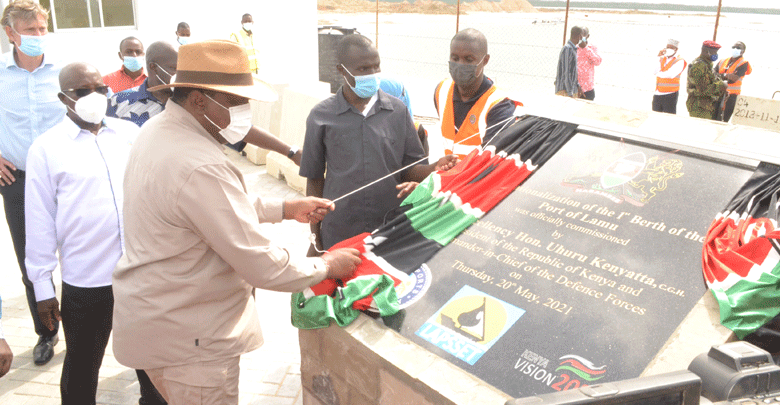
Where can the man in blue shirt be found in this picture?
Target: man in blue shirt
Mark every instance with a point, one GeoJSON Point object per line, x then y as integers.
{"type": "Point", "coordinates": [29, 107]}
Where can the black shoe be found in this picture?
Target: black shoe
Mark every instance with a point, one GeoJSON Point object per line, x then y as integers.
{"type": "Point", "coordinates": [44, 349]}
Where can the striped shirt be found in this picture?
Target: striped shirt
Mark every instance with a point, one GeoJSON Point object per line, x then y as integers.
{"type": "Point", "coordinates": [136, 105]}
{"type": "Point", "coordinates": [566, 77]}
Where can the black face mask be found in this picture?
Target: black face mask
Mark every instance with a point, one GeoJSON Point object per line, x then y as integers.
{"type": "Point", "coordinates": [462, 74]}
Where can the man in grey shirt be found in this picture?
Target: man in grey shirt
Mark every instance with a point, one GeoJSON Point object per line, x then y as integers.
{"type": "Point", "coordinates": [360, 135]}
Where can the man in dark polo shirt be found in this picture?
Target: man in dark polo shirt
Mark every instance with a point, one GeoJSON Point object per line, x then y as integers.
{"type": "Point", "coordinates": [360, 135]}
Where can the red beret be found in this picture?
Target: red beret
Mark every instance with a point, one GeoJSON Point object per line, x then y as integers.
{"type": "Point", "coordinates": [711, 44]}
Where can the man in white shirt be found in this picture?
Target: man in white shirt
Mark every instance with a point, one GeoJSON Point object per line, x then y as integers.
{"type": "Point", "coordinates": [73, 204]}
{"type": "Point", "coordinates": [667, 78]}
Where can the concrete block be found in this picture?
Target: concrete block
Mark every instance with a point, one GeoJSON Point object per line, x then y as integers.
{"type": "Point", "coordinates": [256, 154]}
{"type": "Point", "coordinates": [298, 102]}
{"type": "Point", "coordinates": [309, 341]}
{"type": "Point", "coordinates": [345, 356]}
{"type": "Point", "coordinates": [357, 398]}
{"type": "Point", "coordinates": [282, 168]}
{"type": "Point", "coordinates": [395, 392]}
{"type": "Point", "coordinates": [309, 398]}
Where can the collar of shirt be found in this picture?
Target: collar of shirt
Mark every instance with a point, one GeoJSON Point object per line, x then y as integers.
{"type": "Point", "coordinates": [485, 86]}
{"type": "Point", "coordinates": [343, 105]}
{"type": "Point", "coordinates": [179, 114]}
{"type": "Point", "coordinates": [73, 130]}
{"type": "Point", "coordinates": [7, 61]}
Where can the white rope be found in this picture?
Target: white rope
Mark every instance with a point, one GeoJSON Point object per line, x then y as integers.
{"type": "Point", "coordinates": [312, 237]}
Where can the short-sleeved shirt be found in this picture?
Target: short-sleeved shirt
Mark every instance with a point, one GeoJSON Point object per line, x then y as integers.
{"type": "Point", "coordinates": [28, 107]}
{"type": "Point", "coordinates": [136, 105]}
{"type": "Point", "coordinates": [356, 150]}
{"type": "Point", "coordinates": [121, 81]}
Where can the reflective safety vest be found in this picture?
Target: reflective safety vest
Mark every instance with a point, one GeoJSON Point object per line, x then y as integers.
{"type": "Point", "coordinates": [669, 85]}
{"type": "Point", "coordinates": [248, 42]}
{"type": "Point", "coordinates": [461, 141]}
{"type": "Point", "coordinates": [736, 87]}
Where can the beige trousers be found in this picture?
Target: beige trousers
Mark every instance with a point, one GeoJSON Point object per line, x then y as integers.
{"type": "Point", "coordinates": [204, 383]}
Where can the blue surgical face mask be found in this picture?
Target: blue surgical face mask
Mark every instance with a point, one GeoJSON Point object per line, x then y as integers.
{"type": "Point", "coordinates": [714, 57]}
{"type": "Point", "coordinates": [32, 45]}
{"type": "Point", "coordinates": [736, 53]}
{"type": "Point", "coordinates": [134, 63]}
{"type": "Point", "coordinates": [183, 40]}
{"type": "Point", "coordinates": [365, 86]}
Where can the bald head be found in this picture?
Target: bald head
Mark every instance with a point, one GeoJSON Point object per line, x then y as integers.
{"type": "Point", "coordinates": [161, 63]}
{"type": "Point", "coordinates": [160, 52]}
{"type": "Point", "coordinates": [472, 39]}
{"type": "Point", "coordinates": [79, 75]}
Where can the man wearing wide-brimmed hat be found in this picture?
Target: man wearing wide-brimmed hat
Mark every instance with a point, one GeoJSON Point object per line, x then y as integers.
{"type": "Point", "coordinates": [184, 311]}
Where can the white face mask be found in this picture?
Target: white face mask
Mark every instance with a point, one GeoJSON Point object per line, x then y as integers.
{"type": "Point", "coordinates": [247, 26]}
{"type": "Point", "coordinates": [240, 122]}
{"type": "Point", "coordinates": [670, 52]}
{"type": "Point", "coordinates": [91, 108]}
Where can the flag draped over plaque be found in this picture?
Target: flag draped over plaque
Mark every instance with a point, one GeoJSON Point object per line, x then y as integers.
{"type": "Point", "coordinates": [439, 209]}
{"type": "Point", "coordinates": [740, 261]}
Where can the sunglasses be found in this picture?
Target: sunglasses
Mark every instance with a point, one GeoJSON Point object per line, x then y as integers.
{"type": "Point", "coordinates": [84, 92]}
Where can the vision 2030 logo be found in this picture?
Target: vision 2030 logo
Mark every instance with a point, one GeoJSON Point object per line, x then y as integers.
{"type": "Point", "coordinates": [469, 324]}
{"type": "Point", "coordinates": [572, 372]}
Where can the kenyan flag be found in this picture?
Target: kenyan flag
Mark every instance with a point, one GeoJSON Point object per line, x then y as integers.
{"type": "Point", "coordinates": [437, 211]}
{"type": "Point", "coordinates": [741, 258]}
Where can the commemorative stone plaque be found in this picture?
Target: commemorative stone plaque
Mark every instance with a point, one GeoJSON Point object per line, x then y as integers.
{"type": "Point", "coordinates": [581, 274]}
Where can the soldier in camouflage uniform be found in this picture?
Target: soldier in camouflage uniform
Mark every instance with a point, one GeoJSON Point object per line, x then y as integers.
{"type": "Point", "coordinates": [704, 87]}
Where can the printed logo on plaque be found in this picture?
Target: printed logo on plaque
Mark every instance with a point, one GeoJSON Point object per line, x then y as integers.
{"type": "Point", "coordinates": [632, 178]}
{"type": "Point", "coordinates": [582, 367]}
{"type": "Point", "coordinates": [469, 324]}
{"type": "Point", "coordinates": [573, 371]}
{"type": "Point", "coordinates": [414, 287]}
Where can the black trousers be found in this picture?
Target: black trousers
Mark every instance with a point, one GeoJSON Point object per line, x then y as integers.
{"type": "Point", "coordinates": [149, 394]}
{"type": "Point", "coordinates": [13, 203]}
{"type": "Point", "coordinates": [666, 103]}
{"type": "Point", "coordinates": [590, 95]}
{"type": "Point", "coordinates": [87, 314]}
{"type": "Point", "coordinates": [731, 102]}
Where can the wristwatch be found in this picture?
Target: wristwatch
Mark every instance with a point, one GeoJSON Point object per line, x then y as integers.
{"type": "Point", "coordinates": [293, 150]}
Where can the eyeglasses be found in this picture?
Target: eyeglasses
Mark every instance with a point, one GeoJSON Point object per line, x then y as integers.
{"type": "Point", "coordinates": [84, 92]}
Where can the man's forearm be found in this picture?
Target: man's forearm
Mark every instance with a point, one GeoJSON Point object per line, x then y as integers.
{"type": "Point", "coordinates": [264, 139]}
{"type": "Point", "coordinates": [418, 173]}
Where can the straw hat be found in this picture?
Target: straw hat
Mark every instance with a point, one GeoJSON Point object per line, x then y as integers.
{"type": "Point", "coordinates": [218, 65]}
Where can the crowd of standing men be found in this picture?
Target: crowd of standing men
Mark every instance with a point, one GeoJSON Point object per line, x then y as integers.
{"type": "Point", "coordinates": [712, 89]}
{"type": "Point", "coordinates": [121, 181]}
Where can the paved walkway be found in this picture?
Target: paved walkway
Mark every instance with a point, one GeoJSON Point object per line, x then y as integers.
{"type": "Point", "coordinates": [269, 375]}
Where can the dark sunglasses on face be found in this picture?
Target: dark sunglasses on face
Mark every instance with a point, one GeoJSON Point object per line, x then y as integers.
{"type": "Point", "coordinates": [84, 92]}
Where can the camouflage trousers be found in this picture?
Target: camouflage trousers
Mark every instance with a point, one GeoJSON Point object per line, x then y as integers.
{"type": "Point", "coordinates": [701, 107]}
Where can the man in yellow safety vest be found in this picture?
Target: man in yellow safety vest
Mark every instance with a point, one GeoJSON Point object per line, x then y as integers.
{"type": "Point", "coordinates": [471, 108]}
{"type": "Point", "coordinates": [245, 38]}
{"type": "Point", "coordinates": [733, 70]}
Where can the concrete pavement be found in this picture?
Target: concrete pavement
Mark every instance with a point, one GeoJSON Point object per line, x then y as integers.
{"type": "Point", "coordinates": [269, 375]}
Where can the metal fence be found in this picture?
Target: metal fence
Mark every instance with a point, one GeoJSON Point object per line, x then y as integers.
{"type": "Point", "coordinates": [524, 47]}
